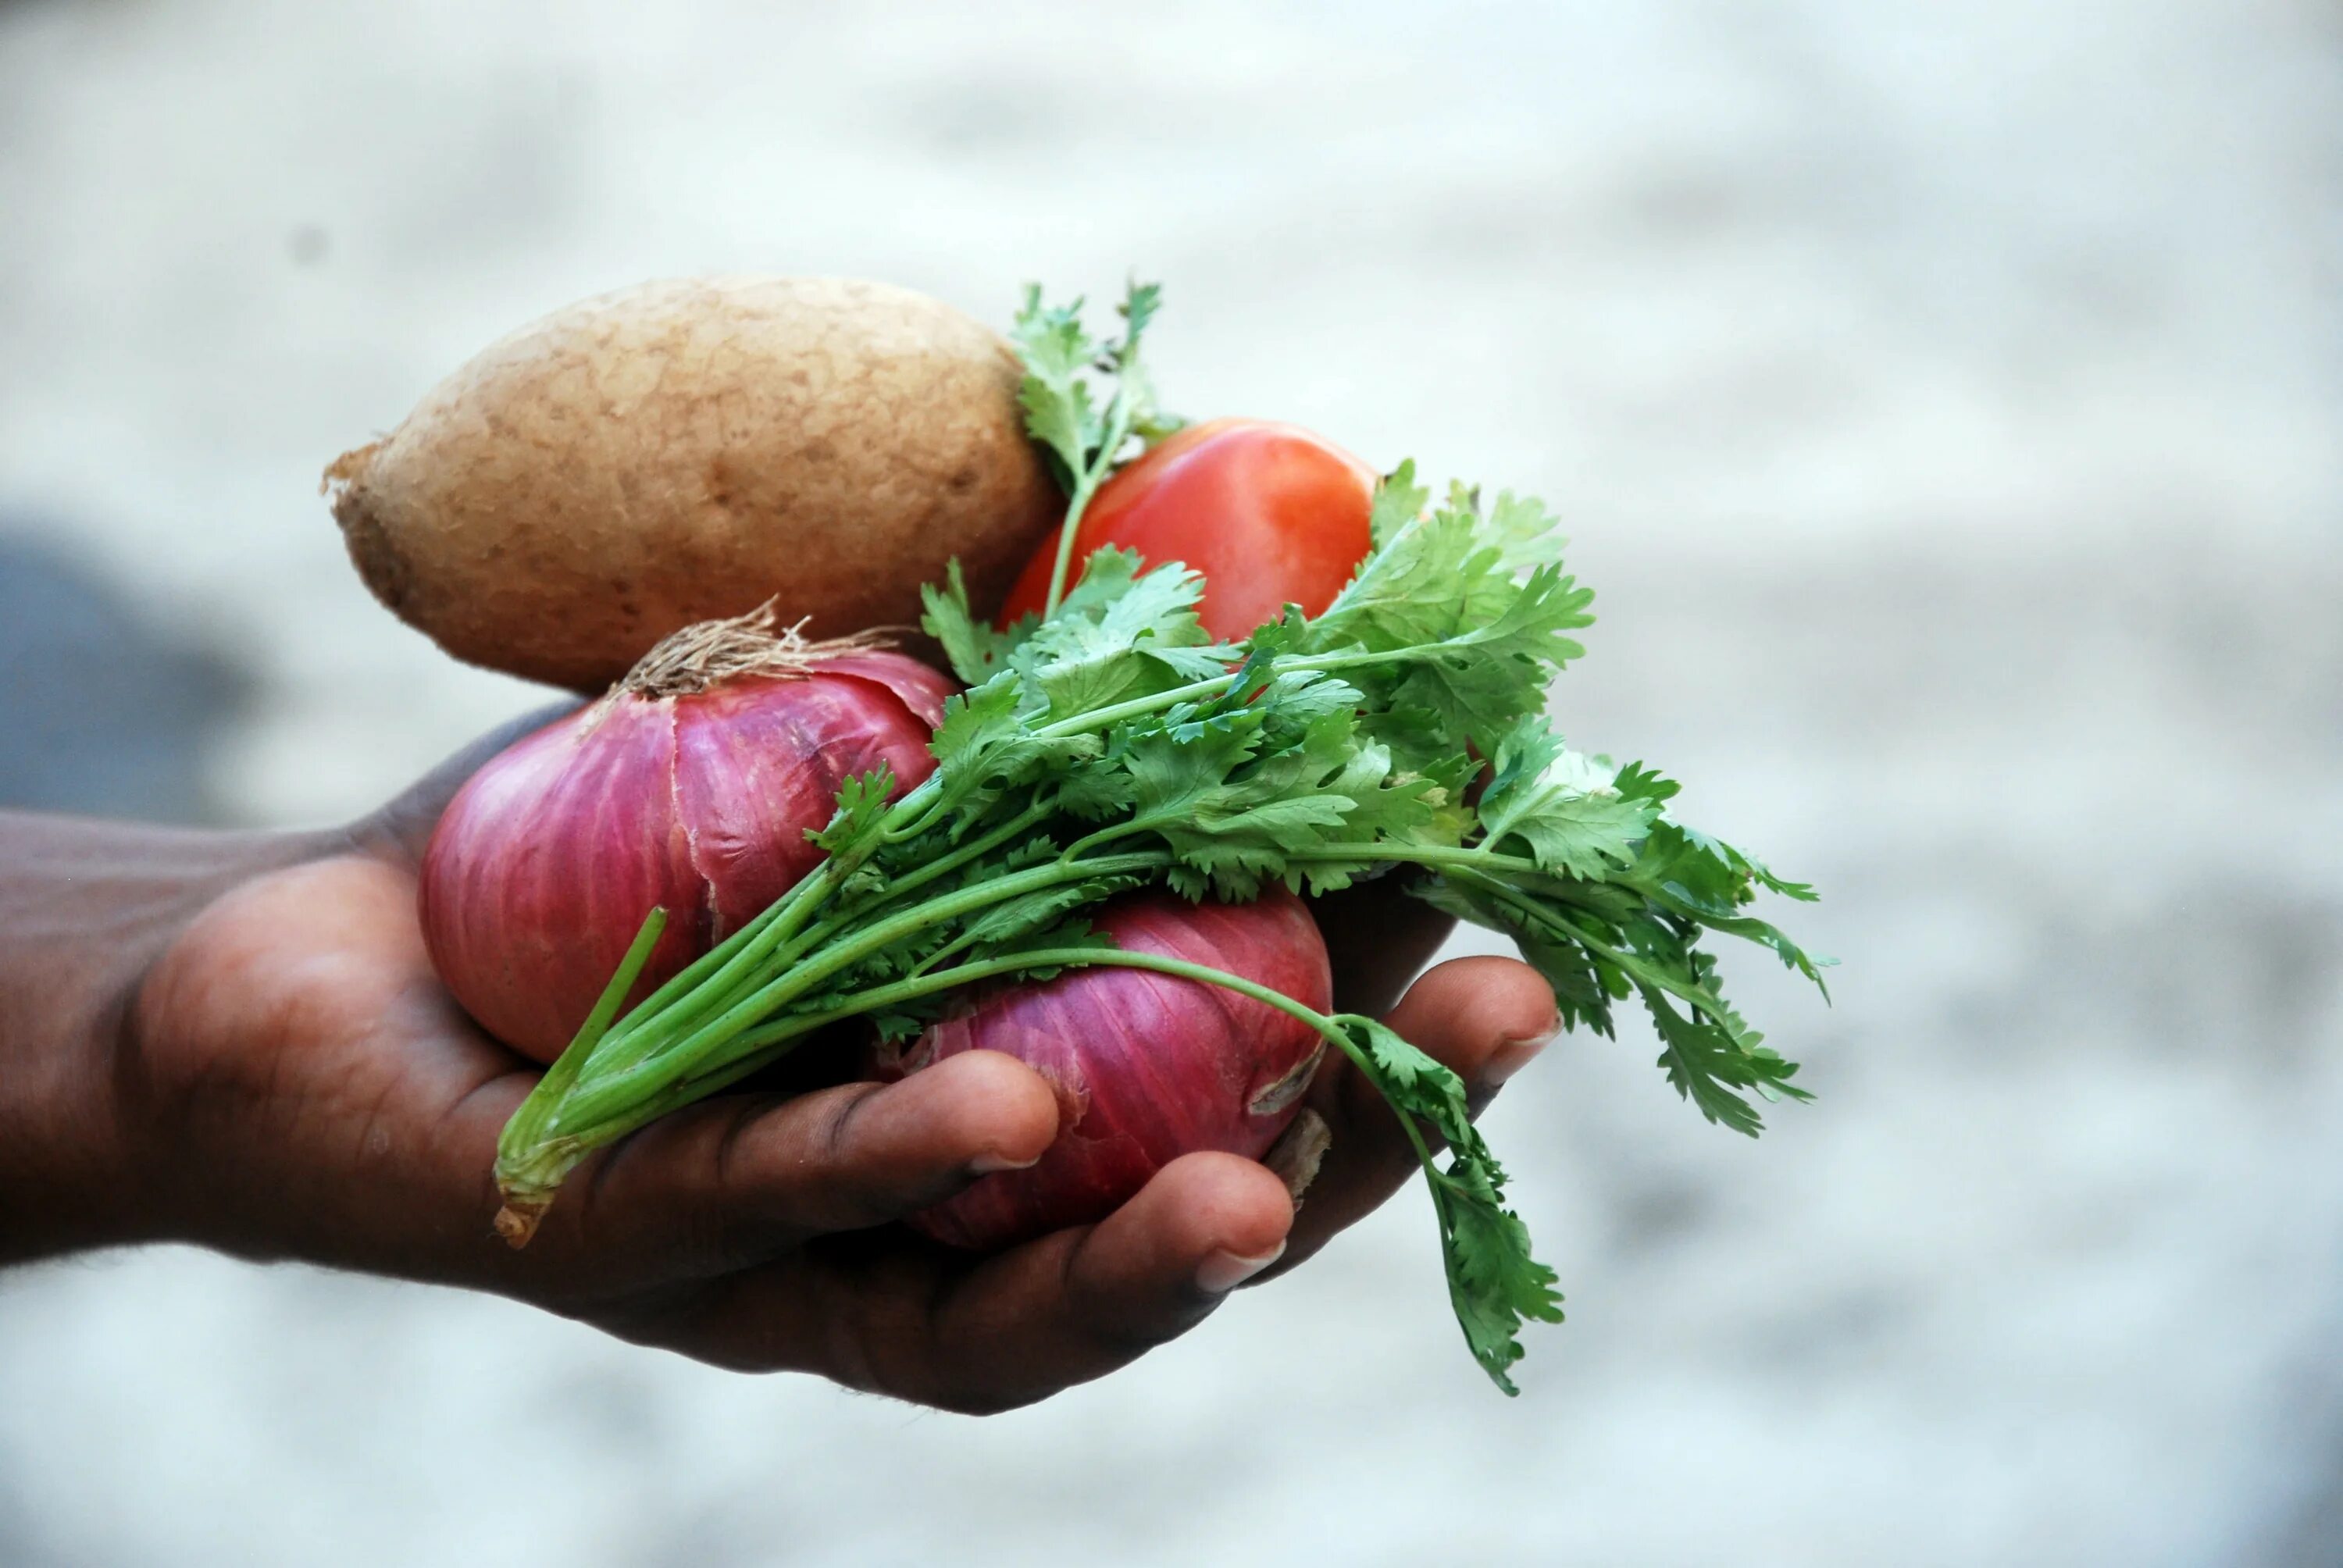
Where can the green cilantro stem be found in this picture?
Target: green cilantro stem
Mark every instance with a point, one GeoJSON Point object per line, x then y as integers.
{"type": "Point", "coordinates": [1076, 505]}
{"type": "Point", "coordinates": [760, 1048]}
{"type": "Point", "coordinates": [1213, 686]}
{"type": "Point", "coordinates": [724, 974]}
{"type": "Point", "coordinates": [900, 887]}
{"type": "Point", "coordinates": [679, 1060]}
{"type": "Point", "coordinates": [528, 1122]}
{"type": "Point", "coordinates": [1060, 412]}
{"type": "Point", "coordinates": [1627, 963]}
{"type": "Point", "coordinates": [674, 1005]}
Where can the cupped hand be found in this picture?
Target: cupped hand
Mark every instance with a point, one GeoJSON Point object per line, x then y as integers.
{"type": "Point", "coordinates": [300, 1085]}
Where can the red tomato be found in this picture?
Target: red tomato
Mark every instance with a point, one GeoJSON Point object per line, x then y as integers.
{"type": "Point", "coordinates": [1271, 514]}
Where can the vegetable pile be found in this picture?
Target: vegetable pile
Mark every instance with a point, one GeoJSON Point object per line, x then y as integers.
{"type": "Point", "coordinates": [1109, 748]}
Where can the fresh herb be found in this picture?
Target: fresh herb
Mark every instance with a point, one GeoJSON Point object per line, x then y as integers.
{"type": "Point", "coordinates": [1111, 745]}
{"type": "Point", "coordinates": [1081, 438]}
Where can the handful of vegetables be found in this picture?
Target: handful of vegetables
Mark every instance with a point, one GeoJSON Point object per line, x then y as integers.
{"type": "Point", "coordinates": [1092, 860]}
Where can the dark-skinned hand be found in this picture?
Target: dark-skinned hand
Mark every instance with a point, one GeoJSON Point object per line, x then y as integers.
{"type": "Point", "coordinates": [238, 1040]}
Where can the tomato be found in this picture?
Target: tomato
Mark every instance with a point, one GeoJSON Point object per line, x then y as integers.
{"type": "Point", "coordinates": [1270, 514]}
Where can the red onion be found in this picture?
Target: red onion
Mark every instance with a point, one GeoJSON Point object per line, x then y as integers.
{"type": "Point", "coordinates": [689, 786]}
{"type": "Point", "coordinates": [1147, 1066]}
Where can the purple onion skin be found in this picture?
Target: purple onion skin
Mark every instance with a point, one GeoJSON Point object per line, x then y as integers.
{"type": "Point", "coordinates": [1147, 1066]}
{"type": "Point", "coordinates": [544, 865]}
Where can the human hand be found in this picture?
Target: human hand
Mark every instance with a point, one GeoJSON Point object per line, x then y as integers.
{"type": "Point", "coordinates": [291, 1081]}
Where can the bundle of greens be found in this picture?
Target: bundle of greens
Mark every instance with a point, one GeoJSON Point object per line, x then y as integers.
{"type": "Point", "coordinates": [1111, 745]}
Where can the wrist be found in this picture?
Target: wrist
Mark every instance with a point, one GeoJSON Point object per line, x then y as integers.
{"type": "Point", "coordinates": [64, 1168]}
{"type": "Point", "coordinates": [85, 910]}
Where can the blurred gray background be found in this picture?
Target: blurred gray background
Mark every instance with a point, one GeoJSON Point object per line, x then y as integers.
{"type": "Point", "coordinates": [1947, 401]}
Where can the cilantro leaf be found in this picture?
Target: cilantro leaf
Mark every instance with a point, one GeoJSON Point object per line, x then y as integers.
{"type": "Point", "coordinates": [975, 651]}
{"type": "Point", "coordinates": [1399, 501]}
{"type": "Point", "coordinates": [1494, 1281]}
{"type": "Point", "coordinates": [858, 826]}
{"type": "Point", "coordinates": [1055, 393]}
{"type": "Point", "coordinates": [1523, 530]}
{"type": "Point", "coordinates": [987, 745]}
{"type": "Point", "coordinates": [1707, 1059]}
{"type": "Point", "coordinates": [1566, 807]}
{"type": "Point", "coordinates": [1122, 632]}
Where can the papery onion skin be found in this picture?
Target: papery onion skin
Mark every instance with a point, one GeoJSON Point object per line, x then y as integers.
{"type": "Point", "coordinates": [542, 867]}
{"type": "Point", "coordinates": [1147, 1066]}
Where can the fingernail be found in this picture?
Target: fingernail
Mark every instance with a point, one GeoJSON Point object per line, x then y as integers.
{"type": "Point", "coordinates": [1513, 1055]}
{"type": "Point", "coordinates": [986, 1165]}
{"type": "Point", "coordinates": [1224, 1272]}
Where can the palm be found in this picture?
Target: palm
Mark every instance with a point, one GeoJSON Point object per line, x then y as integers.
{"type": "Point", "coordinates": [303, 1004]}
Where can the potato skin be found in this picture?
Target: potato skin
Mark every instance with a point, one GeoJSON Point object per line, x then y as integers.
{"type": "Point", "coordinates": [684, 449]}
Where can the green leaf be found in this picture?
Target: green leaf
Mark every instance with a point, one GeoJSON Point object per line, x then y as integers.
{"type": "Point", "coordinates": [1054, 393]}
{"type": "Point", "coordinates": [1121, 632]}
{"type": "Point", "coordinates": [1399, 500]}
{"type": "Point", "coordinates": [987, 744]}
{"type": "Point", "coordinates": [1176, 774]}
{"type": "Point", "coordinates": [975, 651]}
{"type": "Point", "coordinates": [1709, 1059]}
{"type": "Point", "coordinates": [1494, 1281]}
{"type": "Point", "coordinates": [978, 723]}
{"type": "Point", "coordinates": [858, 826]}
{"type": "Point", "coordinates": [1418, 1083]}
{"type": "Point", "coordinates": [1446, 625]}
{"type": "Point", "coordinates": [1527, 620]}
{"type": "Point", "coordinates": [1451, 578]}
{"type": "Point", "coordinates": [1565, 807]}
{"type": "Point", "coordinates": [1291, 701]}
{"type": "Point", "coordinates": [1582, 990]}
{"type": "Point", "coordinates": [1409, 591]}
{"type": "Point", "coordinates": [1235, 804]}
{"type": "Point", "coordinates": [907, 1020]}
{"type": "Point", "coordinates": [1061, 934]}
{"type": "Point", "coordinates": [1138, 306]}
{"type": "Point", "coordinates": [1768, 935]}
{"type": "Point", "coordinates": [1523, 531]}
{"type": "Point", "coordinates": [1010, 926]}
{"type": "Point", "coordinates": [1082, 431]}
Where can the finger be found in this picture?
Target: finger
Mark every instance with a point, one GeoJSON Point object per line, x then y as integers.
{"type": "Point", "coordinates": [402, 827]}
{"type": "Point", "coordinates": [1377, 939]}
{"type": "Point", "coordinates": [1483, 1017]}
{"type": "Point", "coordinates": [734, 1181]}
{"type": "Point", "coordinates": [990, 1335]}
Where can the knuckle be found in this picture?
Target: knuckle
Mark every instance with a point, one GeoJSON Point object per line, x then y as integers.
{"type": "Point", "coordinates": [834, 1147]}
{"type": "Point", "coordinates": [725, 1159]}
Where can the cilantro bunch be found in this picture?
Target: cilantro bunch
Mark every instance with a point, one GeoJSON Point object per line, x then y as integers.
{"type": "Point", "coordinates": [1110, 744]}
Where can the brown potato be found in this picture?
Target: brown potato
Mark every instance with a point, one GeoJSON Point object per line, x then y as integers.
{"type": "Point", "coordinates": [684, 450]}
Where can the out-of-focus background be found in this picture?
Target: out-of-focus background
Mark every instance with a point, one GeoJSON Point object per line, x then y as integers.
{"type": "Point", "coordinates": [1948, 402]}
